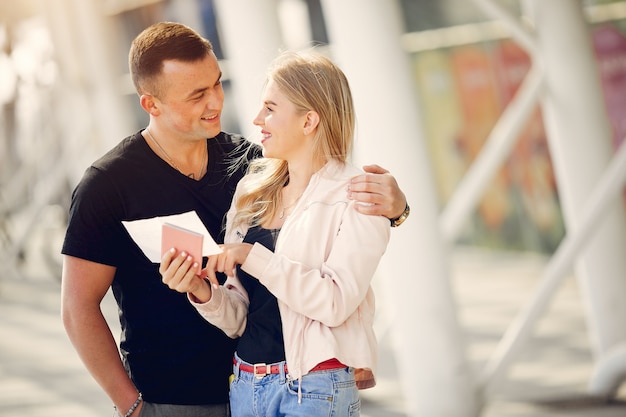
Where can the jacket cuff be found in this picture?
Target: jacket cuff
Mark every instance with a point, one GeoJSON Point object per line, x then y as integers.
{"type": "Point", "coordinates": [217, 298]}
{"type": "Point", "coordinates": [257, 260]}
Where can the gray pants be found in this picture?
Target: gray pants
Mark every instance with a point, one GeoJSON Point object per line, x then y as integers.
{"type": "Point", "coordinates": [170, 410]}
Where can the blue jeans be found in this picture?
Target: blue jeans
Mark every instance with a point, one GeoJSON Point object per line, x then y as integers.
{"type": "Point", "coordinates": [324, 393]}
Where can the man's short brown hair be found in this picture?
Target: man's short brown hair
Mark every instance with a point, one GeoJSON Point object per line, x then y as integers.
{"type": "Point", "coordinates": [160, 42]}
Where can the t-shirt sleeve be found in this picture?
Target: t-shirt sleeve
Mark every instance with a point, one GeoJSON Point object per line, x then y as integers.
{"type": "Point", "coordinates": [94, 229]}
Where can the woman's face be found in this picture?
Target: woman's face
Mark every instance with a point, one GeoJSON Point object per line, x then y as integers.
{"type": "Point", "coordinates": [282, 126]}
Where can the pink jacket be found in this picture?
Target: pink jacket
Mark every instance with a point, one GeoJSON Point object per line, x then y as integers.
{"type": "Point", "coordinates": [325, 258]}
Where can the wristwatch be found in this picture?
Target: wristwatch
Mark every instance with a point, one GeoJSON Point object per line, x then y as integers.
{"type": "Point", "coordinates": [399, 220]}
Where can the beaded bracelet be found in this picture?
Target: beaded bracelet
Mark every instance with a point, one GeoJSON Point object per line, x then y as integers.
{"type": "Point", "coordinates": [132, 407]}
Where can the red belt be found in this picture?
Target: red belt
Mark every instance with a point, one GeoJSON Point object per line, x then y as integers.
{"type": "Point", "coordinates": [261, 369]}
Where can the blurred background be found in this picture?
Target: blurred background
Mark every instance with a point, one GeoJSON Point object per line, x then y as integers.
{"type": "Point", "coordinates": [504, 294]}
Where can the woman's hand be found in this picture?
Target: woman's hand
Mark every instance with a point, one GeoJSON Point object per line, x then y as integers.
{"type": "Point", "coordinates": [233, 254]}
{"type": "Point", "coordinates": [183, 274]}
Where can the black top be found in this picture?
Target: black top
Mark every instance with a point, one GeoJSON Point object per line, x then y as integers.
{"type": "Point", "coordinates": [262, 340]}
{"type": "Point", "coordinates": [172, 355]}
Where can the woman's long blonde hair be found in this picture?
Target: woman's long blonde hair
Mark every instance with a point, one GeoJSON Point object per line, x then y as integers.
{"type": "Point", "coordinates": [311, 82]}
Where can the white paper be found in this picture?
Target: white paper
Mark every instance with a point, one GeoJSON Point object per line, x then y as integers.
{"type": "Point", "coordinates": [147, 233]}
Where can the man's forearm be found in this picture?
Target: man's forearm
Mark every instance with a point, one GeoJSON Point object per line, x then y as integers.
{"type": "Point", "coordinates": [94, 342]}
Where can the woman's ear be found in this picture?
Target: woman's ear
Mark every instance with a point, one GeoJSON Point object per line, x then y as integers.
{"type": "Point", "coordinates": [149, 104]}
{"type": "Point", "coordinates": [311, 122]}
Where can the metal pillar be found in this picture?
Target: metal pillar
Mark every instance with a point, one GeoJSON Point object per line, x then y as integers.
{"type": "Point", "coordinates": [609, 371]}
{"type": "Point", "coordinates": [365, 42]}
{"type": "Point", "coordinates": [250, 31]}
{"type": "Point", "coordinates": [580, 142]}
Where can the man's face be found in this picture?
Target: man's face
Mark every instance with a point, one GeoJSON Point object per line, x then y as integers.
{"type": "Point", "coordinates": [192, 98]}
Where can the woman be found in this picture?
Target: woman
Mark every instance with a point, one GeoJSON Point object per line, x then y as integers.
{"type": "Point", "coordinates": [299, 257]}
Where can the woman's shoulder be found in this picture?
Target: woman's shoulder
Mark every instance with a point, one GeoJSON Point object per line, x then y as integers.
{"type": "Point", "coordinates": [338, 172]}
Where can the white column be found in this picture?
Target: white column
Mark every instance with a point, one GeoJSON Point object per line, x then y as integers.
{"type": "Point", "coordinates": [92, 113]}
{"type": "Point", "coordinates": [96, 39]}
{"type": "Point", "coordinates": [365, 42]}
{"type": "Point", "coordinates": [580, 142]}
{"type": "Point", "coordinates": [250, 32]}
{"type": "Point", "coordinates": [186, 12]}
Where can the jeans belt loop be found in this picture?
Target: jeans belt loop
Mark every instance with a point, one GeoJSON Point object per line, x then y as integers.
{"type": "Point", "coordinates": [283, 372]}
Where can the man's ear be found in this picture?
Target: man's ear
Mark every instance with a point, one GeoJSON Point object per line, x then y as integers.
{"type": "Point", "coordinates": [311, 122]}
{"type": "Point", "coordinates": [149, 104]}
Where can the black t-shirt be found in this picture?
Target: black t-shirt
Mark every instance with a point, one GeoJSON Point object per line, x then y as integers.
{"type": "Point", "coordinates": [172, 355]}
{"type": "Point", "coordinates": [262, 340]}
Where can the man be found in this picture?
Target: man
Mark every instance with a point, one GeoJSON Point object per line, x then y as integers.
{"type": "Point", "coordinates": [173, 362]}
